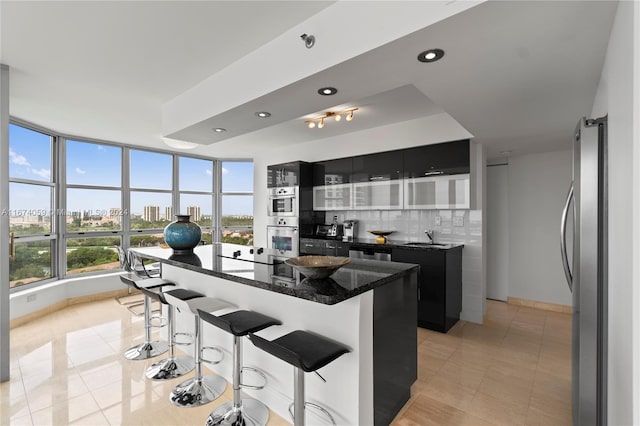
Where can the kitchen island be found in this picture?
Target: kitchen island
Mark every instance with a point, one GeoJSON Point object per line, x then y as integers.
{"type": "Point", "coordinates": [367, 305]}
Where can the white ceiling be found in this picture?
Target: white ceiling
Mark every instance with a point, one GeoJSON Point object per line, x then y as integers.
{"type": "Point", "coordinates": [517, 75]}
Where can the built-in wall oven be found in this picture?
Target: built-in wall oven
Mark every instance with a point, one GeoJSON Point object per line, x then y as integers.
{"type": "Point", "coordinates": [281, 273]}
{"type": "Point", "coordinates": [283, 201]}
{"type": "Point", "coordinates": [282, 236]}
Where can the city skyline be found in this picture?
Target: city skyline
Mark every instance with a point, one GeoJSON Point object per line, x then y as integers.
{"type": "Point", "coordinates": [99, 165]}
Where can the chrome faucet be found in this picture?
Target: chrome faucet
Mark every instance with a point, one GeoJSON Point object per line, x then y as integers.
{"type": "Point", "coordinates": [429, 233]}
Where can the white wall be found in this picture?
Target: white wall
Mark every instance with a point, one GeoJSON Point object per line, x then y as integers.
{"type": "Point", "coordinates": [538, 185]}
{"type": "Point", "coordinates": [28, 301]}
{"type": "Point", "coordinates": [615, 97]}
{"type": "Point", "coordinates": [497, 212]}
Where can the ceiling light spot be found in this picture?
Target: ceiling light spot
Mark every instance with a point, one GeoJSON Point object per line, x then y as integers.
{"type": "Point", "coordinates": [263, 114]}
{"type": "Point", "coordinates": [431, 55]}
{"type": "Point", "coordinates": [219, 130]}
{"type": "Point", "coordinates": [327, 91]}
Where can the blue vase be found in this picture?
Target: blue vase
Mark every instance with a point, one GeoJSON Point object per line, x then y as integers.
{"type": "Point", "coordinates": [182, 235]}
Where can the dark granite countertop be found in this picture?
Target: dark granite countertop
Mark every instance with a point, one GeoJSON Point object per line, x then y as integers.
{"type": "Point", "coordinates": [371, 243]}
{"type": "Point", "coordinates": [264, 271]}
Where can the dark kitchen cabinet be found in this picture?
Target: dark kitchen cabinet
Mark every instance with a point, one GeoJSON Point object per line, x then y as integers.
{"type": "Point", "coordinates": [447, 158]}
{"type": "Point", "coordinates": [332, 172]}
{"type": "Point", "coordinates": [336, 248]}
{"type": "Point", "coordinates": [439, 285]}
{"type": "Point", "coordinates": [377, 167]}
{"type": "Point", "coordinates": [311, 246]}
{"type": "Point", "coordinates": [296, 173]}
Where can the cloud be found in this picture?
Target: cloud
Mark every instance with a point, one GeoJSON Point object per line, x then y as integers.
{"type": "Point", "coordinates": [80, 171]}
{"type": "Point", "coordinates": [224, 171]}
{"type": "Point", "coordinates": [100, 148]}
{"type": "Point", "coordinates": [209, 172]}
{"type": "Point", "coordinates": [17, 158]}
{"type": "Point", "coordinates": [44, 173]}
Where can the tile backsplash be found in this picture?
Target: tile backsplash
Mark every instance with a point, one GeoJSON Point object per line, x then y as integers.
{"type": "Point", "coordinates": [449, 226]}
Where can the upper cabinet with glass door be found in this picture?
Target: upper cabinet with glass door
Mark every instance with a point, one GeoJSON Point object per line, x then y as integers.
{"type": "Point", "coordinates": [437, 176]}
{"type": "Point", "coordinates": [332, 186]}
{"type": "Point", "coordinates": [377, 184]}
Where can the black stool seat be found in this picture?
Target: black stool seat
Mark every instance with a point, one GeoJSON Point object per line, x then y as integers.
{"type": "Point", "coordinates": [239, 323]}
{"type": "Point", "coordinates": [180, 293]}
{"type": "Point", "coordinates": [140, 283]}
{"type": "Point", "coordinates": [302, 349]}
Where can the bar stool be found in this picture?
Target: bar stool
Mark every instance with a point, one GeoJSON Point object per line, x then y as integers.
{"type": "Point", "coordinates": [307, 352]}
{"type": "Point", "coordinates": [242, 411]}
{"type": "Point", "coordinates": [125, 264]}
{"type": "Point", "coordinates": [147, 349]}
{"type": "Point", "coordinates": [173, 366]}
{"type": "Point", "coordinates": [200, 389]}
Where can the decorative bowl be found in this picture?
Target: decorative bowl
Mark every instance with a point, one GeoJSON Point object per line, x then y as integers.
{"type": "Point", "coordinates": [381, 236]}
{"type": "Point", "coordinates": [317, 267]}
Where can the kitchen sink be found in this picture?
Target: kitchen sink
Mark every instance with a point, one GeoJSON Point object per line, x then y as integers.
{"type": "Point", "coordinates": [434, 245]}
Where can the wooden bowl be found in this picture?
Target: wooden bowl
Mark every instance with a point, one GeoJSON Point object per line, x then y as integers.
{"type": "Point", "coordinates": [317, 267]}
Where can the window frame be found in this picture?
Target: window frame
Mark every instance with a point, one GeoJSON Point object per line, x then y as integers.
{"type": "Point", "coordinates": [59, 234]}
{"type": "Point", "coordinates": [53, 184]}
{"type": "Point", "coordinates": [220, 194]}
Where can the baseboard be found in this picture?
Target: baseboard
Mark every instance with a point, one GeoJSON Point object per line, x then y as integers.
{"type": "Point", "coordinates": [16, 322]}
{"type": "Point", "coordinates": [546, 306]}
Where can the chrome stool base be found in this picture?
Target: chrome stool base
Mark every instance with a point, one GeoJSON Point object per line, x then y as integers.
{"type": "Point", "coordinates": [251, 413]}
{"type": "Point", "coordinates": [146, 350]}
{"type": "Point", "coordinates": [170, 368]}
{"type": "Point", "coordinates": [194, 393]}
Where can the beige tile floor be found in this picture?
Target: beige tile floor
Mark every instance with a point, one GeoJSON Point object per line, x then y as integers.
{"type": "Point", "coordinates": [67, 368]}
{"type": "Point", "coordinates": [515, 369]}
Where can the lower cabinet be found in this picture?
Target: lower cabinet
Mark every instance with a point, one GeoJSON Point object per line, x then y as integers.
{"type": "Point", "coordinates": [312, 246]}
{"type": "Point", "coordinates": [439, 285]}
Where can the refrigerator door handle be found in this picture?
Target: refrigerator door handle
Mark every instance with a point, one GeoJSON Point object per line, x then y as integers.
{"type": "Point", "coordinates": [563, 239]}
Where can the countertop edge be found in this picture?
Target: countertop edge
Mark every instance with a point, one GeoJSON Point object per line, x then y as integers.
{"type": "Point", "coordinates": [407, 269]}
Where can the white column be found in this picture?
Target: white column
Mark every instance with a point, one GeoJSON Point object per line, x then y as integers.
{"type": "Point", "coordinates": [4, 223]}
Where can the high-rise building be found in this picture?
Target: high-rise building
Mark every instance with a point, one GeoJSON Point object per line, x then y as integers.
{"type": "Point", "coordinates": [168, 213]}
{"type": "Point", "coordinates": [151, 213]}
{"type": "Point", "coordinates": [194, 212]}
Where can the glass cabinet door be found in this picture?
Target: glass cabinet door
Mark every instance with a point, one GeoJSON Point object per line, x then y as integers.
{"type": "Point", "coordinates": [332, 197]}
{"type": "Point", "coordinates": [381, 195]}
{"type": "Point", "coordinates": [438, 192]}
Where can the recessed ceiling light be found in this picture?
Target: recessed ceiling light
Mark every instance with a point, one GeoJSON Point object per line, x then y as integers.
{"type": "Point", "coordinates": [327, 91]}
{"type": "Point", "coordinates": [431, 55]}
{"type": "Point", "coordinates": [219, 130]}
{"type": "Point", "coordinates": [263, 114]}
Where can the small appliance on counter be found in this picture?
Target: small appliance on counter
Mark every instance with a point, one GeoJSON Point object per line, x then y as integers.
{"type": "Point", "coordinates": [349, 230]}
{"type": "Point", "coordinates": [335, 230]}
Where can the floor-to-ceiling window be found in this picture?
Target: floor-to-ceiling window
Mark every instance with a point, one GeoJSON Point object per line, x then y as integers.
{"type": "Point", "coordinates": [92, 224]}
{"type": "Point", "coordinates": [196, 193]}
{"type": "Point", "coordinates": [72, 201]}
{"type": "Point", "coordinates": [150, 196]}
{"type": "Point", "coordinates": [32, 205]}
{"type": "Point", "coordinates": [236, 199]}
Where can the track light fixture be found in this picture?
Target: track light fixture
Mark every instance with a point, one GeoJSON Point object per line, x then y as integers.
{"type": "Point", "coordinates": [337, 116]}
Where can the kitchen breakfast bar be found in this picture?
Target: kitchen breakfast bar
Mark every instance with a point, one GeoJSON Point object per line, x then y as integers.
{"type": "Point", "coordinates": [369, 306]}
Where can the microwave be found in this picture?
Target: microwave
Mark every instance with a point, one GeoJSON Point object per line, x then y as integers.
{"type": "Point", "coordinates": [283, 201]}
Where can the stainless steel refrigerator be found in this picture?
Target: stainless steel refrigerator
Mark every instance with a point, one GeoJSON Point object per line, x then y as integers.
{"type": "Point", "coordinates": [586, 270]}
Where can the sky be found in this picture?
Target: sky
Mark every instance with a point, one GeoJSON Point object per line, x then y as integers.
{"type": "Point", "coordinates": [101, 165]}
